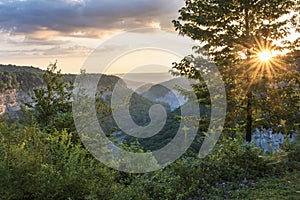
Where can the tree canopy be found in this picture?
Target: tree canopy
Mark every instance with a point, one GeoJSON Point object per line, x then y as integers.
{"type": "Point", "coordinates": [236, 35]}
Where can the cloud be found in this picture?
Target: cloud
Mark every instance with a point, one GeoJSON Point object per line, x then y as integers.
{"type": "Point", "coordinates": [55, 51]}
{"type": "Point", "coordinates": [43, 18]}
{"type": "Point", "coordinates": [76, 50]}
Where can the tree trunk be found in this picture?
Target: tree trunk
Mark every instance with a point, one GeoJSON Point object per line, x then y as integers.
{"type": "Point", "coordinates": [249, 117]}
{"type": "Point", "coordinates": [249, 92]}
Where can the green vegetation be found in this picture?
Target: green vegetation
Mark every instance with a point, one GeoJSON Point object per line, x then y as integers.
{"type": "Point", "coordinates": [286, 187]}
{"type": "Point", "coordinates": [47, 165]}
{"type": "Point", "coordinates": [38, 165]}
{"type": "Point", "coordinates": [163, 137]}
{"type": "Point", "coordinates": [52, 104]}
{"type": "Point", "coordinates": [23, 78]}
{"type": "Point", "coordinates": [234, 34]}
{"type": "Point", "coordinates": [41, 157]}
{"type": "Point", "coordinates": [8, 81]}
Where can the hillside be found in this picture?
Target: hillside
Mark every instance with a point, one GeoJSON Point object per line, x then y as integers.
{"type": "Point", "coordinates": [166, 93]}
{"type": "Point", "coordinates": [18, 82]}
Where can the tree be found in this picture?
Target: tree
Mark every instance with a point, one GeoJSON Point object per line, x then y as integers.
{"type": "Point", "coordinates": [52, 103]}
{"type": "Point", "coordinates": [235, 34]}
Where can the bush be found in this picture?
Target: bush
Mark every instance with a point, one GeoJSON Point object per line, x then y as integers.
{"type": "Point", "coordinates": [36, 165]}
{"type": "Point", "coordinates": [293, 156]}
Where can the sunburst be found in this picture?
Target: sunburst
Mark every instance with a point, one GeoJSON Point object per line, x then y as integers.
{"type": "Point", "coordinates": [264, 61]}
{"type": "Point", "coordinates": [265, 55]}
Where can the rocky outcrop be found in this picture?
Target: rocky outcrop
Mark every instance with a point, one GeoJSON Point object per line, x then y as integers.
{"type": "Point", "coordinates": [8, 99]}
{"type": "Point", "coordinates": [161, 93]}
{"type": "Point", "coordinates": [12, 100]}
{"type": "Point", "coordinates": [173, 99]}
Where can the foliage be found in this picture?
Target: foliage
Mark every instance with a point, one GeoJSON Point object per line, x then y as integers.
{"type": "Point", "coordinates": [163, 137]}
{"type": "Point", "coordinates": [292, 161]}
{"type": "Point", "coordinates": [8, 81]}
{"type": "Point", "coordinates": [232, 33]}
{"type": "Point", "coordinates": [286, 187]}
{"type": "Point", "coordinates": [22, 78]}
{"type": "Point", "coordinates": [36, 165]}
{"type": "Point", "coordinates": [40, 160]}
{"type": "Point", "coordinates": [52, 104]}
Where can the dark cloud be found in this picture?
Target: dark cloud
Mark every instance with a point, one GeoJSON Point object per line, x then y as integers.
{"type": "Point", "coordinates": [68, 16]}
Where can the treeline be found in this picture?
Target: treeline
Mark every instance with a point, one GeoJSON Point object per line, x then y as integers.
{"type": "Point", "coordinates": [17, 77]}
{"type": "Point", "coordinates": [26, 78]}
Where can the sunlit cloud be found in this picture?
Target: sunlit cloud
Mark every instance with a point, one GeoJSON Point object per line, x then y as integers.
{"type": "Point", "coordinates": [35, 31]}
{"type": "Point", "coordinates": [57, 51]}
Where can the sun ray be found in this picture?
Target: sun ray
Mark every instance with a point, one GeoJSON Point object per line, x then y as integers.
{"type": "Point", "coordinates": [263, 61]}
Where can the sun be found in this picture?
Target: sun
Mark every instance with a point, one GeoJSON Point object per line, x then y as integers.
{"type": "Point", "coordinates": [265, 61]}
{"type": "Point", "coordinates": [265, 56]}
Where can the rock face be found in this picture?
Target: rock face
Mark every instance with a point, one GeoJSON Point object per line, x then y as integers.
{"type": "Point", "coordinates": [7, 99]}
{"type": "Point", "coordinates": [12, 100]}
{"type": "Point", "coordinates": [173, 99]}
{"type": "Point", "coordinates": [269, 141]}
{"type": "Point", "coordinates": [161, 94]}
{"type": "Point", "coordinates": [16, 88]}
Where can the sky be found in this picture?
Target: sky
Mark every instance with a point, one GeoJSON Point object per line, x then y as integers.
{"type": "Point", "coordinates": [39, 32]}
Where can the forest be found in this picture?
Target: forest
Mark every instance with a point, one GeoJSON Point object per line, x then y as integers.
{"type": "Point", "coordinates": [42, 155]}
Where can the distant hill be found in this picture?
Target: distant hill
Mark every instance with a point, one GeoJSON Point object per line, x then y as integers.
{"type": "Point", "coordinates": [22, 78]}
{"type": "Point", "coordinates": [25, 78]}
{"type": "Point", "coordinates": [15, 68]}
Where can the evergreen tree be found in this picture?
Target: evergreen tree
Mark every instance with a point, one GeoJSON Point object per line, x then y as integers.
{"type": "Point", "coordinates": [237, 34]}
{"type": "Point", "coordinates": [52, 103]}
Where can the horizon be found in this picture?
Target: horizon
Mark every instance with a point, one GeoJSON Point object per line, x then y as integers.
{"type": "Point", "coordinates": [76, 73]}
